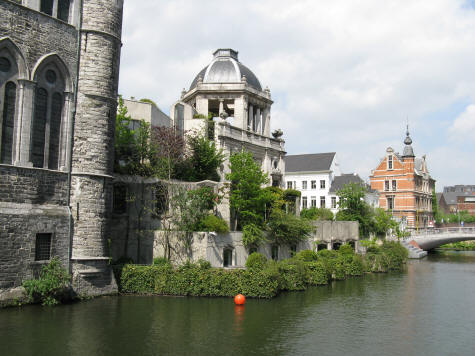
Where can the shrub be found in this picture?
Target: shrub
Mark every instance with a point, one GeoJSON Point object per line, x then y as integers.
{"type": "Point", "coordinates": [194, 280]}
{"type": "Point", "coordinates": [316, 273]}
{"type": "Point", "coordinates": [327, 254]}
{"type": "Point", "coordinates": [256, 260]}
{"type": "Point", "coordinates": [213, 223]}
{"type": "Point", "coordinates": [395, 254]}
{"type": "Point", "coordinates": [293, 274]}
{"type": "Point", "coordinates": [315, 213]}
{"type": "Point", "coordinates": [159, 261]}
{"type": "Point", "coordinates": [346, 249]}
{"type": "Point", "coordinates": [306, 255]}
{"type": "Point", "coordinates": [51, 286]}
{"type": "Point", "coordinates": [252, 235]}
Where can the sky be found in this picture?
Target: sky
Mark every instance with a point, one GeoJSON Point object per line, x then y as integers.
{"type": "Point", "coordinates": [345, 76]}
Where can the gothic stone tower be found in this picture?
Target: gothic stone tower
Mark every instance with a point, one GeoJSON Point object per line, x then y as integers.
{"type": "Point", "coordinates": [93, 145]}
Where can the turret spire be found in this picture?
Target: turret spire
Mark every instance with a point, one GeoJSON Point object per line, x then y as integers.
{"type": "Point", "coordinates": [408, 151]}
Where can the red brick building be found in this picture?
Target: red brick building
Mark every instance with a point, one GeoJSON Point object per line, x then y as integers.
{"type": "Point", "coordinates": [405, 186]}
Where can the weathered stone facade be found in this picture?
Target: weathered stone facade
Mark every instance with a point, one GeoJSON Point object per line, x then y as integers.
{"type": "Point", "coordinates": [213, 247]}
{"type": "Point", "coordinates": [55, 187]}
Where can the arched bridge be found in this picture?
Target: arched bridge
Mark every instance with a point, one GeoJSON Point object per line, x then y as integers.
{"type": "Point", "coordinates": [432, 238]}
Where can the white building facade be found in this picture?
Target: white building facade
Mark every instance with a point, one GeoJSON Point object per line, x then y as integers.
{"type": "Point", "coordinates": [318, 177]}
{"type": "Point", "coordinates": [312, 175]}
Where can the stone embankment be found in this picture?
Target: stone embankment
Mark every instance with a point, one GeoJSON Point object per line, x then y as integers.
{"type": "Point", "coordinates": [414, 251]}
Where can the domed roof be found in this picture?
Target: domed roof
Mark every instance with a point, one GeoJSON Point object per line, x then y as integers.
{"type": "Point", "coordinates": [226, 68]}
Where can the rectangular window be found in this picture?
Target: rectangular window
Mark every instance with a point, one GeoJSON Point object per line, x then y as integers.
{"type": "Point", "coordinates": [314, 184]}
{"type": "Point", "coordinates": [390, 162]}
{"type": "Point", "coordinates": [314, 202]}
{"type": "Point", "coordinates": [63, 10]}
{"type": "Point", "coordinates": [333, 202]}
{"type": "Point", "coordinates": [161, 192]}
{"type": "Point", "coordinates": [322, 202]}
{"type": "Point", "coordinates": [275, 252]}
{"type": "Point", "coordinates": [289, 185]}
{"type": "Point", "coordinates": [386, 185]}
{"type": "Point", "coordinates": [304, 184]}
{"type": "Point", "coordinates": [47, 7]}
{"type": "Point", "coordinates": [322, 184]}
{"type": "Point", "coordinates": [394, 185]}
{"type": "Point", "coordinates": [43, 247]}
{"type": "Point", "coordinates": [119, 199]}
{"type": "Point", "coordinates": [390, 203]}
{"type": "Point", "coordinates": [304, 202]}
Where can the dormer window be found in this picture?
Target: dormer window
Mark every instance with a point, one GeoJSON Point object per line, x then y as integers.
{"type": "Point", "coordinates": [390, 162]}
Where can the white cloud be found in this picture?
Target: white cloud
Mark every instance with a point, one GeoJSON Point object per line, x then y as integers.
{"type": "Point", "coordinates": [344, 75]}
{"type": "Point", "coordinates": [463, 128]}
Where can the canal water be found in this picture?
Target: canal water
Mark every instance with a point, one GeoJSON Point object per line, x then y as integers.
{"type": "Point", "coordinates": [427, 310]}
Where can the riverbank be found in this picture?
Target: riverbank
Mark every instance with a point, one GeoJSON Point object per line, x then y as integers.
{"type": "Point", "coordinates": [261, 278]}
{"type": "Point", "coordinates": [459, 246]}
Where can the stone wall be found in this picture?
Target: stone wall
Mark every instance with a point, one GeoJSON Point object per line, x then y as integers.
{"type": "Point", "coordinates": [211, 246]}
{"type": "Point", "coordinates": [37, 34]}
{"type": "Point", "coordinates": [19, 224]}
{"type": "Point", "coordinates": [33, 186]}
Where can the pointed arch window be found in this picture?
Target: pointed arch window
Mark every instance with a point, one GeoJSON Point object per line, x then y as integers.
{"type": "Point", "coordinates": [8, 98]}
{"type": "Point", "coordinates": [8, 123]}
{"type": "Point", "coordinates": [47, 118]}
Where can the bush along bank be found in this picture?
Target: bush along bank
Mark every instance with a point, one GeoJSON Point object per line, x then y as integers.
{"type": "Point", "coordinates": [261, 278]}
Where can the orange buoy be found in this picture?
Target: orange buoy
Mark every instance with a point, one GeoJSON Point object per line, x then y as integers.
{"type": "Point", "coordinates": [239, 299]}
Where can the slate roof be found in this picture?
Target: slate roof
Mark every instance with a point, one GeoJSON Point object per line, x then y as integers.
{"type": "Point", "coordinates": [451, 197]}
{"type": "Point", "coordinates": [313, 162]}
{"type": "Point", "coordinates": [340, 181]}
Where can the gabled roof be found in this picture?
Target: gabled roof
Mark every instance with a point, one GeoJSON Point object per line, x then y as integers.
{"type": "Point", "coordinates": [313, 162]}
{"type": "Point", "coordinates": [340, 181]}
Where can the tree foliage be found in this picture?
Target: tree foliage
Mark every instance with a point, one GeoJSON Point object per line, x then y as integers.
{"type": "Point", "coordinates": [352, 207]}
{"type": "Point", "coordinates": [205, 158]}
{"type": "Point", "coordinates": [247, 197]}
{"type": "Point", "coordinates": [315, 213]}
{"type": "Point", "coordinates": [285, 228]}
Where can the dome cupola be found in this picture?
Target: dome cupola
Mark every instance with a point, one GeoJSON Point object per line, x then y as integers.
{"type": "Point", "coordinates": [226, 68]}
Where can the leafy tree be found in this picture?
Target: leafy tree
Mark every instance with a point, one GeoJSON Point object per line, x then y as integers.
{"type": "Point", "coordinates": [252, 235]}
{"type": "Point", "coordinates": [287, 228]}
{"type": "Point", "coordinates": [353, 207]}
{"type": "Point", "coordinates": [383, 222]}
{"type": "Point", "coordinates": [248, 201]}
{"type": "Point", "coordinates": [187, 209]}
{"type": "Point", "coordinates": [315, 213]}
{"type": "Point", "coordinates": [169, 151]}
{"type": "Point", "coordinates": [124, 138]}
{"type": "Point", "coordinates": [205, 158]}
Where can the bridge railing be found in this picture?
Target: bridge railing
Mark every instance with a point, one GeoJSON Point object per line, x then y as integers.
{"type": "Point", "coordinates": [445, 230]}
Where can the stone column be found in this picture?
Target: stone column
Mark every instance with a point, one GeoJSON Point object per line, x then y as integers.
{"type": "Point", "coordinates": [221, 106]}
{"type": "Point", "coordinates": [202, 105]}
{"type": "Point", "coordinates": [66, 129]}
{"type": "Point", "coordinates": [258, 120]}
{"type": "Point", "coordinates": [250, 120]}
{"type": "Point", "coordinates": [266, 121]}
{"type": "Point", "coordinates": [25, 123]}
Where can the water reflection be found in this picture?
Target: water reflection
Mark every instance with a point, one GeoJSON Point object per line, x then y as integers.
{"type": "Point", "coordinates": [428, 309]}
